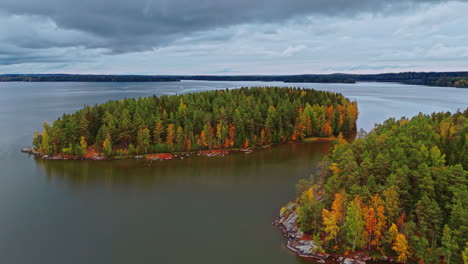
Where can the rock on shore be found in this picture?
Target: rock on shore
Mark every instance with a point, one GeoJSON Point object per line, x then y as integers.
{"type": "Point", "coordinates": [287, 221]}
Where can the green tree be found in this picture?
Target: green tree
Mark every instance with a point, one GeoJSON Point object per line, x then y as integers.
{"type": "Point", "coordinates": [143, 140]}
{"type": "Point", "coordinates": [449, 245]}
{"type": "Point", "coordinates": [355, 223]}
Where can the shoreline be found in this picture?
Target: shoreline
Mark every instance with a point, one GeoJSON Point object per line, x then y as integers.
{"type": "Point", "coordinates": [165, 156]}
{"type": "Point", "coordinates": [302, 245]}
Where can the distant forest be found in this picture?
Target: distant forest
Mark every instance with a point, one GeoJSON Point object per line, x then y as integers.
{"type": "Point", "coordinates": [84, 78]}
{"type": "Point", "coordinates": [450, 79]}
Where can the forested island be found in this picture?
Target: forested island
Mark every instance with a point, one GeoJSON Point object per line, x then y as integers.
{"type": "Point", "coordinates": [244, 118]}
{"type": "Point", "coordinates": [449, 79]}
{"type": "Point", "coordinates": [399, 193]}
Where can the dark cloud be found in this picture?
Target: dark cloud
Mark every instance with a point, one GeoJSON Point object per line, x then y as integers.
{"type": "Point", "coordinates": [125, 26]}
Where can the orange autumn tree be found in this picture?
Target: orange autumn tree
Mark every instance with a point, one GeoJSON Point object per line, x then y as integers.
{"type": "Point", "coordinates": [202, 139]}
{"type": "Point", "coordinates": [339, 207]}
{"type": "Point", "coordinates": [170, 135]}
{"type": "Point", "coordinates": [371, 224]}
{"type": "Point", "coordinates": [158, 130]}
{"type": "Point", "coordinates": [327, 129]}
{"type": "Point", "coordinates": [377, 204]}
{"type": "Point", "coordinates": [232, 135]}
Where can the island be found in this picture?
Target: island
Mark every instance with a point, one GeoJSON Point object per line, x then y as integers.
{"type": "Point", "coordinates": [209, 123]}
{"type": "Point", "coordinates": [398, 193]}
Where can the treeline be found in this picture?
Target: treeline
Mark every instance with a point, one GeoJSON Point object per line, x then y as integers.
{"type": "Point", "coordinates": [399, 191]}
{"type": "Point", "coordinates": [84, 78]}
{"type": "Point", "coordinates": [452, 82]}
{"type": "Point", "coordinates": [238, 118]}
{"type": "Point", "coordinates": [418, 78]}
{"type": "Point", "coordinates": [452, 79]}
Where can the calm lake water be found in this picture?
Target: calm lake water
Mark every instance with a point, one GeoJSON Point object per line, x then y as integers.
{"type": "Point", "coordinates": [197, 210]}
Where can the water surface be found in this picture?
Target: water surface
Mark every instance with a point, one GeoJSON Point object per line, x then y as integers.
{"type": "Point", "coordinates": [196, 210]}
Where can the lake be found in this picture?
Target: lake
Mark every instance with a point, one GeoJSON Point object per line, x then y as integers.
{"type": "Point", "coordinates": [197, 210]}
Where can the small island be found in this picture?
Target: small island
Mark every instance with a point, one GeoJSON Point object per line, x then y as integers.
{"type": "Point", "coordinates": [398, 193]}
{"type": "Point", "coordinates": [208, 123]}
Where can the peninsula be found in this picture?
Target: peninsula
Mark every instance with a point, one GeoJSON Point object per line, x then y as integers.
{"type": "Point", "coordinates": [396, 193]}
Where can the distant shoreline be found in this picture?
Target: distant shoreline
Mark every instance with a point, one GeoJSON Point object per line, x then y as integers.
{"type": "Point", "coordinates": [440, 79]}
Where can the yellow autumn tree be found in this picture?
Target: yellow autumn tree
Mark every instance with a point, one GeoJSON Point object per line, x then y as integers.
{"type": "Point", "coordinates": [333, 220]}
{"type": "Point", "coordinates": [330, 222]}
{"type": "Point", "coordinates": [339, 208]}
{"type": "Point", "coordinates": [170, 135]}
{"type": "Point", "coordinates": [392, 233]}
{"type": "Point", "coordinates": [401, 248]}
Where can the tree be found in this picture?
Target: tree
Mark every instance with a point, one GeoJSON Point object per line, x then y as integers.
{"type": "Point", "coordinates": [202, 138]}
{"type": "Point", "coordinates": [449, 245]}
{"type": "Point", "coordinates": [45, 146]}
{"type": "Point", "coordinates": [429, 218]}
{"type": "Point", "coordinates": [180, 138]}
{"type": "Point", "coordinates": [327, 129]}
{"type": "Point", "coordinates": [465, 254]}
{"type": "Point", "coordinates": [232, 135]}
{"type": "Point", "coordinates": [158, 131]}
{"type": "Point", "coordinates": [354, 223]}
{"type": "Point", "coordinates": [380, 226]}
{"type": "Point", "coordinates": [143, 140]}
{"type": "Point", "coordinates": [401, 248]}
{"type": "Point", "coordinates": [83, 147]}
{"type": "Point", "coordinates": [392, 204]}
{"type": "Point", "coordinates": [330, 222]}
{"type": "Point", "coordinates": [170, 135]}
{"type": "Point", "coordinates": [339, 207]}
{"type": "Point", "coordinates": [371, 225]}
{"type": "Point", "coordinates": [107, 145]}
{"type": "Point", "coordinates": [309, 211]}
{"type": "Point", "coordinates": [392, 233]}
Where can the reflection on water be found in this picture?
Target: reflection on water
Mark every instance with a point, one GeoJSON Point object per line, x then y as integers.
{"type": "Point", "coordinates": [229, 201]}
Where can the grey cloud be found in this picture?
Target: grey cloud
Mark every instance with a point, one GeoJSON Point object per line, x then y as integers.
{"type": "Point", "coordinates": [125, 26]}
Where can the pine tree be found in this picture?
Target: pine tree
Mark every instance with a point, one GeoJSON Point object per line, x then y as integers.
{"type": "Point", "coordinates": [449, 245]}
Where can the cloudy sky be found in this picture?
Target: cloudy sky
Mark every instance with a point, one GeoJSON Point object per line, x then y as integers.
{"type": "Point", "coordinates": [232, 36]}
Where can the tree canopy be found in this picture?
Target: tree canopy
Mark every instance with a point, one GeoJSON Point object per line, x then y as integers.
{"type": "Point", "coordinates": [400, 191]}
{"type": "Point", "coordinates": [236, 118]}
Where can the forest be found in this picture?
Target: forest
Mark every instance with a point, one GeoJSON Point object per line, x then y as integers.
{"type": "Point", "coordinates": [221, 119]}
{"type": "Point", "coordinates": [459, 82]}
{"type": "Point", "coordinates": [399, 191]}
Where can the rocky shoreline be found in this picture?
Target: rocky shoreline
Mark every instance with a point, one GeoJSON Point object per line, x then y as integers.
{"type": "Point", "coordinates": [303, 246]}
{"type": "Point", "coordinates": [286, 221]}
{"type": "Point", "coordinates": [156, 156]}
{"type": "Point", "coordinates": [93, 155]}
